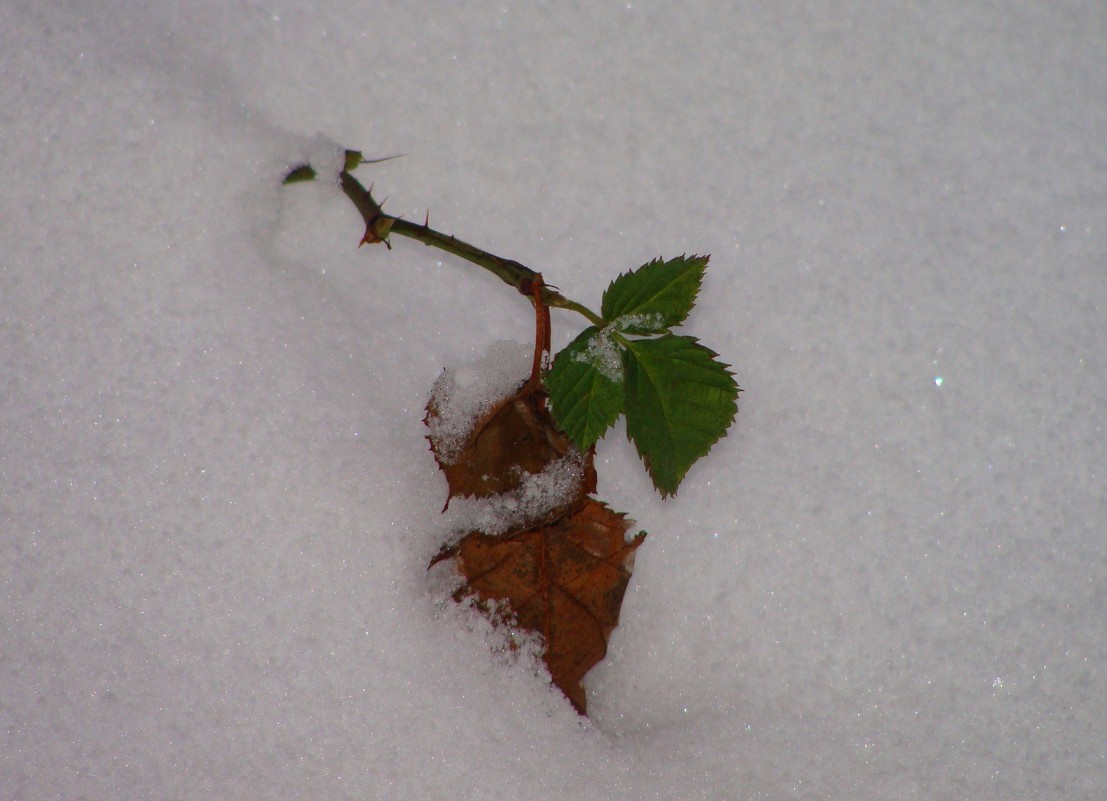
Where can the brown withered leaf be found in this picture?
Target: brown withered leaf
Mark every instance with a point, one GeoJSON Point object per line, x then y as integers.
{"type": "Point", "coordinates": [515, 437]}
{"type": "Point", "coordinates": [564, 581]}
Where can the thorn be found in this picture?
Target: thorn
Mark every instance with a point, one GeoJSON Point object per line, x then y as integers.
{"type": "Point", "coordinates": [385, 158]}
{"type": "Point", "coordinates": [427, 219]}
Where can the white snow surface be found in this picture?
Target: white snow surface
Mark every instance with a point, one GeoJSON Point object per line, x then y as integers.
{"type": "Point", "coordinates": [216, 499]}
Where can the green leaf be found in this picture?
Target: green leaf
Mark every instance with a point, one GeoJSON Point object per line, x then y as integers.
{"type": "Point", "coordinates": [584, 387]}
{"type": "Point", "coordinates": [354, 159]}
{"type": "Point", "coordinates": [300, 174]}
{"type": "Point", "coordinates": [655, 297]}
{"type": "Point", "coordinates": [680, 400]}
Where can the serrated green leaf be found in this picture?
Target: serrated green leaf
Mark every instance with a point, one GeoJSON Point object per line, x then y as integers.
{"type": "Point", "coordinates": [584, 385]}
{"type": "Point", "coordinates": [656, 296]}
{"type": "Point", "coordinates": [680, 400]}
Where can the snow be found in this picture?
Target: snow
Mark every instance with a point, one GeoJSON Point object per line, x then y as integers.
{"type": "Point", "coordinates": [603, 354]}
{"type": "Point", "coordinates": [217, 502]}
{"type": "Point", "coordinates": [327, 157]}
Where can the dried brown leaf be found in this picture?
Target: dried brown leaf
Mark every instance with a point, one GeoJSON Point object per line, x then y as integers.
{"type": "Point", "coordinates": [516, 437]}
{"type": "Point", "coordinates": [565, 581]}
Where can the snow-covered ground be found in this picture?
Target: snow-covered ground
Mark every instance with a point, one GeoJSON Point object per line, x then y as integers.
{"type": "Point", "coordinates": [217, 503]}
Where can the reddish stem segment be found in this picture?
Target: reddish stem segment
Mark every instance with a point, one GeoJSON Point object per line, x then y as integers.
{"type": "Point", "coordinates": [536, 289]}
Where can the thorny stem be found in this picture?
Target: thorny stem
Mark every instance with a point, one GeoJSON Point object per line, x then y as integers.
{"type": "Point", "coordinates": [379, 226]}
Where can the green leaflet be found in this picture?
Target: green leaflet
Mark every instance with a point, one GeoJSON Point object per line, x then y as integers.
{"type": "Point", "coordinates": [678, 397]}
{"type": "Point", "coordinates": [302, 173]}
{"type": "Point", "coordinates": [655, 297]}
{"type": "Point", "coordinates": [585, 387]}
{"type": "Point", "coordinates": [679, 402]}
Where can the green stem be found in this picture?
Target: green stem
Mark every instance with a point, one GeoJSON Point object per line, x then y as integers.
{"type": "Point", "coordinates": [507, 270]}
{"type": "Point", "coordinates": [379, 226]}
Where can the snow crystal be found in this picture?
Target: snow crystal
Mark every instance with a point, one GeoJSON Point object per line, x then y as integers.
{"type": "Point", "coordinates": [603, 354]}
{"type": "Point", "coordinates": [652, 321]}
